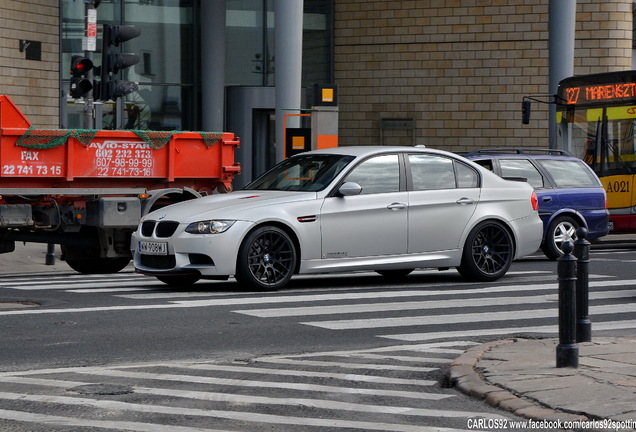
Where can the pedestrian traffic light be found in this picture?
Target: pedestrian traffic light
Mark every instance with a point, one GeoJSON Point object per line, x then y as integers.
{"type": "Point", "coordinates": [80, 85]}
{"type": "Point", "coordinates": [113, 63]}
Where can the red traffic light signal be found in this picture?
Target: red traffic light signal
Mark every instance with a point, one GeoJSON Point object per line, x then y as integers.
{"type": "Point", "coordinates": [79, 85]}
{"type": "Point", "coordinates": [80, 65]}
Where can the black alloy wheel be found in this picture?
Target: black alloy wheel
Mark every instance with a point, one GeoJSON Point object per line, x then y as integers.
{"type": "Point", "coordinates": [266, 259]}
{"type": "Point", "coordinates": [488, 252]}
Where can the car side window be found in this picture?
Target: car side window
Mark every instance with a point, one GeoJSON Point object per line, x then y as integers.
{"type": "Point", "coordinates": [378, 174]}
{"type": "Point", "coordinates": [467, 177]}
{"type": "Point", "coordinates": [430, 172]}
{"type": "Point", "coordinates": [521, 168]}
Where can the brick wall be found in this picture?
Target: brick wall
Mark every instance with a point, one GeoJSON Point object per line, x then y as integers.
{"type": "Point", "coordinates": [459, 69]}
{"type": "Point", "coordinates": [32, 84]}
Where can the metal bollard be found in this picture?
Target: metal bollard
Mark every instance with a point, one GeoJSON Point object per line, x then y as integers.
{"type": "Point", "coordinates": [567, 352]}
{"type": "Point", "coordinates": [582, 254]}
{"type": "Point", "coordinates": [49, 258]}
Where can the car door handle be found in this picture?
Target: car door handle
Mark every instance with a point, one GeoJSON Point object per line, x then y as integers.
{"type": "Point", "coordinates": [546, 199]}
{"type": "Point", "coordinates": [465, 201]}
{"type": "Point", "coordinates": [396, 206]}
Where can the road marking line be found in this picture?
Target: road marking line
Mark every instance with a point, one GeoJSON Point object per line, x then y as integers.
{"type": "Point", "coordinates": [232, 415]}
{"type": "Point", "coordinates": [459, 318]}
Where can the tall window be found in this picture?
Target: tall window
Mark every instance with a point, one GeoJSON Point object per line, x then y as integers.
{"type": "Point", "coordinates": [166, 70]}
{"type": "Point", "coordinates": [251, 57]}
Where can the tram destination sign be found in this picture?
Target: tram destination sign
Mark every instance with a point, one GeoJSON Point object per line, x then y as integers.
{"type": "Point", "coordinates": [598, 89]}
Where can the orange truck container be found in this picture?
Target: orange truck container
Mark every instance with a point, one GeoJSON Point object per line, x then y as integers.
{"type": "Point", "coordinates": [87, 189]}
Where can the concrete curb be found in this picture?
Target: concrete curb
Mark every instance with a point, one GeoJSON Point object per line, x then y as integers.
{"type": "Point", "coordinates": [465, 376]}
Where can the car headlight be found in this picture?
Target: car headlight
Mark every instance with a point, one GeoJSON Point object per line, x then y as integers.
{"type": "Point", "coordinates": [209, 227]}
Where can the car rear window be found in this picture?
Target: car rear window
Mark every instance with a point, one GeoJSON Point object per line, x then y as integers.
{"type": "Point", "coordinates": [570, 173]}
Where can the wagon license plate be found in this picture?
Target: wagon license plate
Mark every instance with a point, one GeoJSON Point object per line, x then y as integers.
{"type": "Point", "coordinates": [152, 248]}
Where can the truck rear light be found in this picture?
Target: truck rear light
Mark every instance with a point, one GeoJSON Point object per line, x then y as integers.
{"type": "Point", "coordinates": [534, 200]}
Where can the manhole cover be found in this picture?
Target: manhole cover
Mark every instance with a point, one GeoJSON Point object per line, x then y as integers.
{"type": "Point", "coordinates": [102, 389]}
{"type": "Point", "coordinates": [17, 304]}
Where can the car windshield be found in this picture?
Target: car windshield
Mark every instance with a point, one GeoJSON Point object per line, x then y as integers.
{"type": "Point", "coordinates": [309, 173]}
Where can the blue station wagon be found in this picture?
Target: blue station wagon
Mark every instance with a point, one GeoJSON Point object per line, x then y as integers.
{"type": "Point", "coordinates": [570, 194]}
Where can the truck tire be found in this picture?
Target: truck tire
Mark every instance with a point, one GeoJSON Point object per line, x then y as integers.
{"type": "Point", "coordinates": [97, 265]}
{"type": "Point", "coordinates": [86, 261]}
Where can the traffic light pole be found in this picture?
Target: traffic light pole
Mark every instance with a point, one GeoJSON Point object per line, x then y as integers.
{"type": "Point", "coordinates": [88, 114]}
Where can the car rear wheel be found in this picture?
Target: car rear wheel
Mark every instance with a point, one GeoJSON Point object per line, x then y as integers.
{"type": "Point", "coordinates": [560, 230]}
{"type": "Point", "coordinates": [266, 259]}
{"type": "Point", "coordinates": [488, 252]}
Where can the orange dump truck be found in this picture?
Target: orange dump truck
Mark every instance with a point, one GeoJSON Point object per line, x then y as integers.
{"type": "Point", "coordinates": [87, 189]}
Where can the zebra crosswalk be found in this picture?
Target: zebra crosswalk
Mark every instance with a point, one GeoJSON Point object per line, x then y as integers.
{"type": "Point", "coordinates": [287, 393]}
{"type": "Point", "coordinates": [398, 386]}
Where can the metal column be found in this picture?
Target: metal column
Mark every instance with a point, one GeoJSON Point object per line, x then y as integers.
{"type": "Point", "coordinates": [288, 38]}
{"type": "Point", "coordinates": [212, 64]}
{"type": "Point", "coordinates": [561, 26]}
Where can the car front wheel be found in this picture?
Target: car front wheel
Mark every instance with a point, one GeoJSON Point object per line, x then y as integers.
{"type": "Point", "coordinates": [488, 252]}
{"type": "Point", "coordinates": [266, 259]}
{"type": "Point", "coordinates": [560, 230]}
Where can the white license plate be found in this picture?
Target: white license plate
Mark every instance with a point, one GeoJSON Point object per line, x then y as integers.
{"type": "Point", "coordinates": [152, 248]}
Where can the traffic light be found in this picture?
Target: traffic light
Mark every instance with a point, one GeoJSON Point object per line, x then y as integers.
{"type": "Point", "coordinates": [112, 63]}
{"type": "Point", "coordinates": [80, 85]}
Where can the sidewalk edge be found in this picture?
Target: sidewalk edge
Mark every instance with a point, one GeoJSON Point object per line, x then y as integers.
{"type": "Point", "coordinates": [464, 376]}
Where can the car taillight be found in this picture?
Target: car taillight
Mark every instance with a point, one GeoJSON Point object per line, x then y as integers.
{"type": "Point", "coordinates": [534, 201]}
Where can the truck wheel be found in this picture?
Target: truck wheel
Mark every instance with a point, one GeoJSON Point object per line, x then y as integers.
{"type": "Point", "coordinates": [266, 259]}
{"type": "Point", "coordinates": [488, 252]}
{"type": "Point", "coordinates": [98, 265]}
{"type": "Point", "coordinates": [561, 229]}
{"type": "Point", "coordinates": [82, 262]}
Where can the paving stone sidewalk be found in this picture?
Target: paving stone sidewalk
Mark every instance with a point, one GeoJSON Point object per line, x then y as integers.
{"type": "Point", "coordinates": [520, 376]}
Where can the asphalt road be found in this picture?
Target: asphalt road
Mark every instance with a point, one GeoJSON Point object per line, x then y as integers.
{"type": "Point", "coordinates": [327, 353]}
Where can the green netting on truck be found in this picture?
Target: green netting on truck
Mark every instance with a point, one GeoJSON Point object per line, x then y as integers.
{"type": "Point", "coordinates": [50, 138]}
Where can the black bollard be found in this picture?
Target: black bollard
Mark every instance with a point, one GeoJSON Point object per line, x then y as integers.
{"type": "Point", "coordinates": [49, 258]}
{"type": "Point", "coordinates": [567, 352]}
{"type": "Point", "coordinates": [582, 254]}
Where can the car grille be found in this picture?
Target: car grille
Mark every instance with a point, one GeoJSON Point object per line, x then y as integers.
{"type": "Point", "coordinates": [147, 228]}
{"type": "Point", "coordinates": [166, 228]}
{"type": "Point", "coordinates": [162, 229]}
{"type": "Point", "coordinates": [158, 261]}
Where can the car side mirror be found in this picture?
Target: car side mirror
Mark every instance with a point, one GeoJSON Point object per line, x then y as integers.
{"type": "Point", "coordinates": [350, 189]}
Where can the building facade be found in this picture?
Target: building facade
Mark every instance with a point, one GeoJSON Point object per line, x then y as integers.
{"type": "Point", "coordinates": [459, 69]}
{"type": "Point", "coordinates": [447, 74]}
{"type": "Point", "coordinates": [29, 58]}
